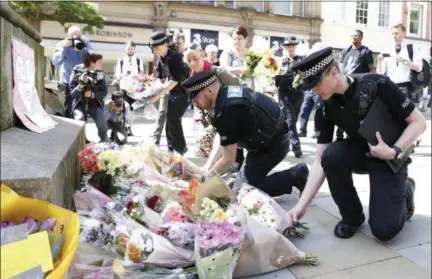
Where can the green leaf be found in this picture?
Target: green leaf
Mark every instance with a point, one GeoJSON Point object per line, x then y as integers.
{"type": "Point", "coordinates": [62, 12]}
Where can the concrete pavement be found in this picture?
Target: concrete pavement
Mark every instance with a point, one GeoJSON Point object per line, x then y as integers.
{"type": "Point", "coordinates": [406, 256]}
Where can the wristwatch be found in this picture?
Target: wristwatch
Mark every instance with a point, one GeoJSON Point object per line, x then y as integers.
{"type": "Point", "coordinates": [398, 151]}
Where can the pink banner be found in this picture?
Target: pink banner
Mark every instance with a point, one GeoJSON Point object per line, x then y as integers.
{"type": "Point", "coordinates": [26, 101]}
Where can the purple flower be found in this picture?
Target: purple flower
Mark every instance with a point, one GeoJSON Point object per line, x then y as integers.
{"type": "Point", "coordinates": [32, 225]}
{"type": "Point", "coordinates": [48, 224]}
{"type": "Point", "coordinates": [7, 224]}
{"type": "Point", "coordinates": [218, 235]}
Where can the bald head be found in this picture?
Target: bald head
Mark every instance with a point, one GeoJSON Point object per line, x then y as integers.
{"type": "Point", "coordinates": [74, 31]}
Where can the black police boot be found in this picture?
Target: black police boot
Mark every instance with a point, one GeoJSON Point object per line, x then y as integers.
{"type": "Point", "coordinates": [301, 134]}
{"type": "Point", "coordinates": [129, 131]}
{"type": "Point", "coordinates": [410, 197]}
{"type": "Point", "coordinates": [301, 173]}
{"type": "Point", "coordinates": [298, 153]}
{"type": "Point", "coordinates": [345, 230]}
{"type": "Point", "coordinates": [315, 135]}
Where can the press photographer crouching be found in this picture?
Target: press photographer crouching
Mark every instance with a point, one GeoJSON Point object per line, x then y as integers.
{"type": "Point", "coordinates": [89, 88]}
{"type": "Point", "coordinates": [118, 115]}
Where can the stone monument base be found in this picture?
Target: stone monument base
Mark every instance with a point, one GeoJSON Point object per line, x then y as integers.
{"type": "Point", "coordinates": [43, 166]}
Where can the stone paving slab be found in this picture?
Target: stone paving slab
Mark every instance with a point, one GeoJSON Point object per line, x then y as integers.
{"type": "Point", "coordinates": [398, 268]}
{"type": "Point", "coordinates": [334, 253]}
{"type": "Point", "coordinates": [420, 254]}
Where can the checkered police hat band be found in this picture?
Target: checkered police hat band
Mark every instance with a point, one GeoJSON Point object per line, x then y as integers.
{"type": "Point", "coordinates": [317, 68]}
{"type": "Point", "coordinates": [202, 85]}
{"type": "Point", "coordinates": [158, 41]}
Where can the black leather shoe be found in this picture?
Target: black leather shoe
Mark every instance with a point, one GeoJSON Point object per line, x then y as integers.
{"type": "Point", "coordinates": [410, 197]}
{"type": "Point", "coordinates": [298, 153]}
{"type": "Point", "coordinates": [301, 172]}
{"type": "Point", "coordinates": [345, 230]}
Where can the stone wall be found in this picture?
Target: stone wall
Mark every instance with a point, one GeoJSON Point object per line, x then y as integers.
{"type": "Point", "coordinates": [12, 25]}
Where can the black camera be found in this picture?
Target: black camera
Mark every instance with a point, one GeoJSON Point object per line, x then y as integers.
{"type": "Point", "coordinates": [88, 79]}
{"type": "Point", "coordinates": [77, 42]}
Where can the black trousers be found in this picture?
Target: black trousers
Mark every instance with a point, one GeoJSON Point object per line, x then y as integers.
{"type": "Point", "coordinates": [177, 106]}
{"type": "Point", "coordinates": [257, 165]}
{"type": "Point", "coordinates": [292, 103]}
{"type": "Point", "coordinates": [388, 191]}
{"type": "Point", "coordinates": [117, 127]}
{"type": "Point", "coordinates": [68, 101]}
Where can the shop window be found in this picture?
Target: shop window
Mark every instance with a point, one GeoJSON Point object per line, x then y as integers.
{"type": "Point", "coordinates": [203, 2]}
{"type": "Point", "coordinates": [282, 7]}
{"type": "Point", "coordinates": [362, 12]}
{"type": "Point", "coordinates": [384, 14]}
{"type": "Point", "coordinates": [416, 19]}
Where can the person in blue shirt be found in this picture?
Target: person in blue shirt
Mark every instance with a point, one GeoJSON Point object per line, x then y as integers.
{"type": "Point", "coordinates": [88, 89]}
{"type": "Point", "coordinates": [67, 54]}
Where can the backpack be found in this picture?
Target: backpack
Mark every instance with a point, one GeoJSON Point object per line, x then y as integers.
{"type": "Point", "coordinates": [138, 63]}
{"type": "Point", "coordinates": [422, 78]}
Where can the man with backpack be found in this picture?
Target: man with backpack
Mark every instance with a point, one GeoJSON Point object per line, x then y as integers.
{"type": "Point", "coordinates": [128, 66]}
{"type": "Point", "coordinates": [356, 59]}
{"type": "Point", "coordinates": [404, 65]}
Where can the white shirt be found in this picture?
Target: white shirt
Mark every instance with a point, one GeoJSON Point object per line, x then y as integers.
{"type": "Point", "coordinates": [129, 64]}
{"type": "Point", "coordinates": [398, 72]}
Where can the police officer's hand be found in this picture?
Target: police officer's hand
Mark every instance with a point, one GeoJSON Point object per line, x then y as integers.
{"type": "Point", "coordinates": [297, 212]}
{"type": "Point", "coordinates": [382, 150]}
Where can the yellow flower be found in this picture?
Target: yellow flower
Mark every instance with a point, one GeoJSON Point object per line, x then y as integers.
{"type": "Point", "coordinates": [220, 215]}
{"type": "Point", "coordinates": [266, 62]}
{"type": "Point", "coordinates": [101, 165]}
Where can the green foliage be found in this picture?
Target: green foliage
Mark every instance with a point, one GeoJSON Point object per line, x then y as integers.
{"type": "Point", "coordinates": [61, 11]}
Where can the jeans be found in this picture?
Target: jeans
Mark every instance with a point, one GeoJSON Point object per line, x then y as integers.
{"type": "Point", "coordinates": [160, 122]}
{"type": "Point", "coordinates": [310, 100]}
{"type": "Point", "coordinates": [68, 101]}
{"type": "Point", "coordinates": [388, 191]}
{"type": "Point", "coordinates": [98, 116]}
{"type": "Point", "coordinates": [177, 106]}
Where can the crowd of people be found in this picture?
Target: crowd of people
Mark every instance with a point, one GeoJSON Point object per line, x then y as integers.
{"type": "Point", "coordinates": [237, 114]}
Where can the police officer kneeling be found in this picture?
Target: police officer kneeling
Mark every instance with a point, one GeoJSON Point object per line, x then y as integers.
{"type": "Point", "coordinates": [252, 120]}
{"type": "Point", "coordinates": [391, 201]}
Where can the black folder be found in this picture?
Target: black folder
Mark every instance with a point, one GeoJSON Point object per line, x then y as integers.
{"type": "Point", "coordinates": [379, 119]}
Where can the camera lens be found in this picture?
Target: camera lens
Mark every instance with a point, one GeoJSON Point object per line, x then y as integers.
{"type": "Point", "coordinates": [78, 44]}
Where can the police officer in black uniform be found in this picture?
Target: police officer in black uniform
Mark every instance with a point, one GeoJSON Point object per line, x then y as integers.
{"type": "Point", "coordinates": [254, 121]}
{"type": "Point", "coordinates": [290, 98]}
{"type": "Point", "coordinates": [346, 100]}
{"type": "Point", "coordinates": [171, 66]}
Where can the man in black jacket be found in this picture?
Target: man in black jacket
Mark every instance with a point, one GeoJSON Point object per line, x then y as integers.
{"type": "Point", "coordinates": [89, 88]}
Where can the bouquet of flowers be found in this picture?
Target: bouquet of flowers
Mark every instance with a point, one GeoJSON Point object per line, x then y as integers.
{"type": "Point", "coordinates": [269, 62]}
{"type": "Point", "coordinates": [297, 81]}
{"type": "Point", "coordinates": [265, 210]}
{"type": "Point", "coordinates": [138, 87]}
{"type": "Point", "coordinates": [217, 249]}
{"type": "Point", "coordinates": [181, 234]}
{"type": "Point", "coordinates": [173, 166]}
{"type": "Point", "coordinates": [88, 157]}
{"type": "Point", "coordinates": [252, 61]}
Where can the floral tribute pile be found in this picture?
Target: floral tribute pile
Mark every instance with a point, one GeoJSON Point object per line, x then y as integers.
{"type": "Point", "coordinates": [152, 219]}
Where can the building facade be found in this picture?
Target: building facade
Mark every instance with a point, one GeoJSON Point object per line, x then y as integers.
{"type": "Point", "coordinates": [268, 23]}
{"type": "Point", "coordinates": [375, 19]}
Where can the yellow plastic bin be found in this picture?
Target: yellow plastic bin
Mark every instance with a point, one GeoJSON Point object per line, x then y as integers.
{"type": "Point", "coordinates": [15, 208]}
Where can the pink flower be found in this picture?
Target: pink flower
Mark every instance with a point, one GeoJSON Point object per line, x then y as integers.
{"type": "Point", "coordinates": [176, 215]}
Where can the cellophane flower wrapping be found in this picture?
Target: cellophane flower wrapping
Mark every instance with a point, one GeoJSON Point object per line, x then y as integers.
{"type": "Point", "coordinates": [217, 249]}
{"type": "Point", "coordinates": [263, 208]}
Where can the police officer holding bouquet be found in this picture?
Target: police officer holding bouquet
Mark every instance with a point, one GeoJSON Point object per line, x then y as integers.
{"type": "Point", "coordinates": [346, 103]}
{"type": "Point", "coordinates": [171, 67]}
{"type": "Point", "coordinates": [252, 120]}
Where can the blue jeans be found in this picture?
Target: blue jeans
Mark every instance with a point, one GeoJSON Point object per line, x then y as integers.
{"type": "Point", "coordinates": [98, 116]}
{"type": "Point", "coordinates": [310, 100]}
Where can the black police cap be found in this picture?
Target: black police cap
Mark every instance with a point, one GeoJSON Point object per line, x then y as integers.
{"type": "Point", "coordinates": [291, 41]}
{"type": "Point", "coordinates": [312, 67]}
{"type": "Point", "coordinates": [198, 82]}
{"type": "Point", "coordinates": [158, 38]}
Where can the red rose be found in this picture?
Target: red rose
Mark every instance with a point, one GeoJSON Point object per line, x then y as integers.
{"type": "Point", "coordinates": [271, 60]}
{"type": "Point", "coordinates": [151, 202]}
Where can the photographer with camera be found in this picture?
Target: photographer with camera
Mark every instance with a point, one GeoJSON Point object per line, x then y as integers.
{"type": "Point", "coordinates": [89, 88]}
{"type": "Point", "coordinates": [67, 54]}
{"type": "Point", "coordinates": [118, 116]}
